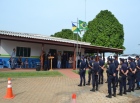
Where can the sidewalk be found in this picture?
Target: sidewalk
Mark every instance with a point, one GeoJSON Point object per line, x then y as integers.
{"type": "Point", "coordinates": [58, 90]}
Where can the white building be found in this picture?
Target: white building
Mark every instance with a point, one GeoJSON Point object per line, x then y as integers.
{"type": "Point", "coordinates": [30, 45]}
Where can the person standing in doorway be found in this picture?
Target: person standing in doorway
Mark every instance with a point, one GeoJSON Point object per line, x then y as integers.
{"type": "Point", "coordinates": [64, 59]}
{"type": "Point", "coordinates": [70, 61]}
{"type": "Point", "coordinates": [59, 61]}
{"type": "Point", "coordinates": [13, 57]}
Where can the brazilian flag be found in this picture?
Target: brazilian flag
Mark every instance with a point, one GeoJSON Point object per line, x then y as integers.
{"type": "Point", "coordinates": [83, 25]}
{"type": "Point", "coordinates": [75, 28]}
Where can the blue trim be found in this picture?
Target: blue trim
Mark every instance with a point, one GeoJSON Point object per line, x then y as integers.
{"type": "Point", "coordinates": [32, 61]}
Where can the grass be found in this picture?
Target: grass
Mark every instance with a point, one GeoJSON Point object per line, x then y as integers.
{"type": "Point", "coordinates": [30, 74]}
{"type": "Point", "coordinates": [77, 71]}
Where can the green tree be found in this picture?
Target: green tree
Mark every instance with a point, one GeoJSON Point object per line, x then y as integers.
{"type": "Point", "coordinates": [105, 30]}
{"type": "Point", "coordinates": [67, 34]}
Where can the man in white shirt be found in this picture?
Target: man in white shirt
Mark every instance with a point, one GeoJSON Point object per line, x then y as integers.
{"type": "Point", "coordinates": [13, 55]}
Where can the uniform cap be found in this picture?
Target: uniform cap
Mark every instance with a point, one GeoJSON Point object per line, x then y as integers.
{"type": "Point", "coordinates": [115, 56]}
{"type": "Point", "coordinates": [129, 58]}
{"type": "Point", "coordinates": [121, 59]}
{"type": "Point", "coordinates": [137, 56]}
{"type": "Point", "coordinates": [110, 59]}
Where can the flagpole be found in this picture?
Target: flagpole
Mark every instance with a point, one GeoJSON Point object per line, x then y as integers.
{"type": "Point", "coordinates": [85, 10]}
{"type": "Point", "coordinates": [77, 45]}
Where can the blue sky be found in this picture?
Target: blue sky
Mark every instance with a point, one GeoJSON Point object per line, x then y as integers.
{"type": "Point", "coordinates": [50, 16]}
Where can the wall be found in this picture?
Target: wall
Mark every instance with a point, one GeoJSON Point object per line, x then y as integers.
{"type": "Point", "coordinates": [7, 47]}
{"type": "Point", "coordinates": [0, 46]}
{"type": "Point", "coordinates": [60, 48]}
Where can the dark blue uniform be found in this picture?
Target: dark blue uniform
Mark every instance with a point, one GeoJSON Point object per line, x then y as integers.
{"type": "Point", "coordinates": [95, 70]}
{"type": "Point", "coordinates": [82, 72]}
{"type": "Point", "coordinates": [101, 77]}
{"type": "Point", "coordinates": [122, 78]}
{"type": "Point", "coordinates": [125, 61]}
{"type": "Point", "coordinates": [111, 79]}
{"type": "Point", "coordinates": [90, 64]}
{"type": "Point", "coordinates": [107, 68]}
{"type": "Point", "coordinates": [131, 76]}
{"type": "Point", "coordinates": [116, 65]}
{"type": "Point", "coordinates": [138, 74]}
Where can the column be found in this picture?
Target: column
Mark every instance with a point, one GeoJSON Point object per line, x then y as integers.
{"type": "Point", "coordinates": [41, 57]}
{"type": "Point", "coordinates": [103, 56]}
{"type": "Point", "coordinates": [74, 59]}
{"type": "Point", "coordinates": [97, 58]}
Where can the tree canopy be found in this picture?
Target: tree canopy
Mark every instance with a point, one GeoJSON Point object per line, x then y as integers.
{"type": "Point", "coordinates": [67, 34]}
{"type": "Point", "coordinates": [105, 30]}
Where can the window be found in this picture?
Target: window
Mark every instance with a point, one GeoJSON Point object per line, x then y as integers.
{"type": "Point", "coordinates": [23, 51]}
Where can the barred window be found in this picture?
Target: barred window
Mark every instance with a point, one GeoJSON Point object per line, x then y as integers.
{"type": "Point", "coordinates": [23, 51]}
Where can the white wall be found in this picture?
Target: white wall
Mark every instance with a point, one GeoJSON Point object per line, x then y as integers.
{"type": "Point", "coordinates": [60, 48]}
{"type": "Point", "coordinates": [0, 46]}
{"type": "Point", "coordinates": [7, 47]}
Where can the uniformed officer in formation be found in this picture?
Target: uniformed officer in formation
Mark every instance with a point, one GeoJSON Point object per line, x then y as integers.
{"type": "Point", "coordinates": [138, 73]}
{"type": "Point", "coordinates": [90, 65]}
{"type": "Point", "coordinates": [111, 78]}
{"type": "Point", "coordinates": [101, 70]}
{"type": "Point", "coordinates": [122, 77]}
{"type": "Point", "coordinates": [82, 72]}
{"type": "Point", "coordinates": [95, 72]}
{"type": "Point", "coordinates": [117, 68]}
{"type": "Point", "coordinates": [131, 75]}
{"type": "Point", "coordinates": [107, 68]}
{"type": "Point", "coordinates": [130, 70]}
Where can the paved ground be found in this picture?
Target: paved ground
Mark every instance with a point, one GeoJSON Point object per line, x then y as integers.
{"type": "Point", "coordinates": [58, 90]}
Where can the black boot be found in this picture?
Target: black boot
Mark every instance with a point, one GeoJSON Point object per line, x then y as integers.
{"type": "Point", "coordinates": [88, 84]}
{"type": "Point", "coordinates": [80, 85]}
{"type": "Point", "coordinates": [109, 96]}
{"type": "Point", "coordinates": [96, 88]}
{"type": "Point", "coordinates": [125, 93]}
{"type": "Point", "coordinates": [128, 90]}
{"type": "Point", "coordinates": [120, 94]}
{"type": "Point", "coordinates": [84, 84]}
{"type": "Point", "coordinates": [93, 90]}
{"type": "Point", "coordinates": [114, 94]}
{"type": "Point", "coordinates": [132, 90]}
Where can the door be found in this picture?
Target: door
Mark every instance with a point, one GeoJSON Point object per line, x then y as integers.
{"type": "Point", "coordinates": [52, 51]}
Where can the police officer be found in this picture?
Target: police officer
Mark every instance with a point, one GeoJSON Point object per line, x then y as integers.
{"type": "Point", "coordinates": [101, 70]}
{"type": "Point", "coordinates": [131, 75]}
{"type": "Point", "coordinates": [82, 72]}
{"type": "Point", "coordinates": [117, 68]}
{"type": "Point", "coordinates": [107, 68]}
{"type": "Point", "coordinates": [122, 77]}
{"type": "Point", "coordinates": [90, 64]}
{"type": "Point", "coordinates": [111, 78]}
{"type": "Point", "coordinates": [138, 72]}
{"type": "Point", "coordinates": [125, 61]}
{"type": "Point", "coordinates": [95, 70]}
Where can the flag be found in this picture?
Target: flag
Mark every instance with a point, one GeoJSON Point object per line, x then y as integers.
{"type": "Point", "coordinates": [83, 25]}
{"type": "Point", "coordinates": [75, 28]}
